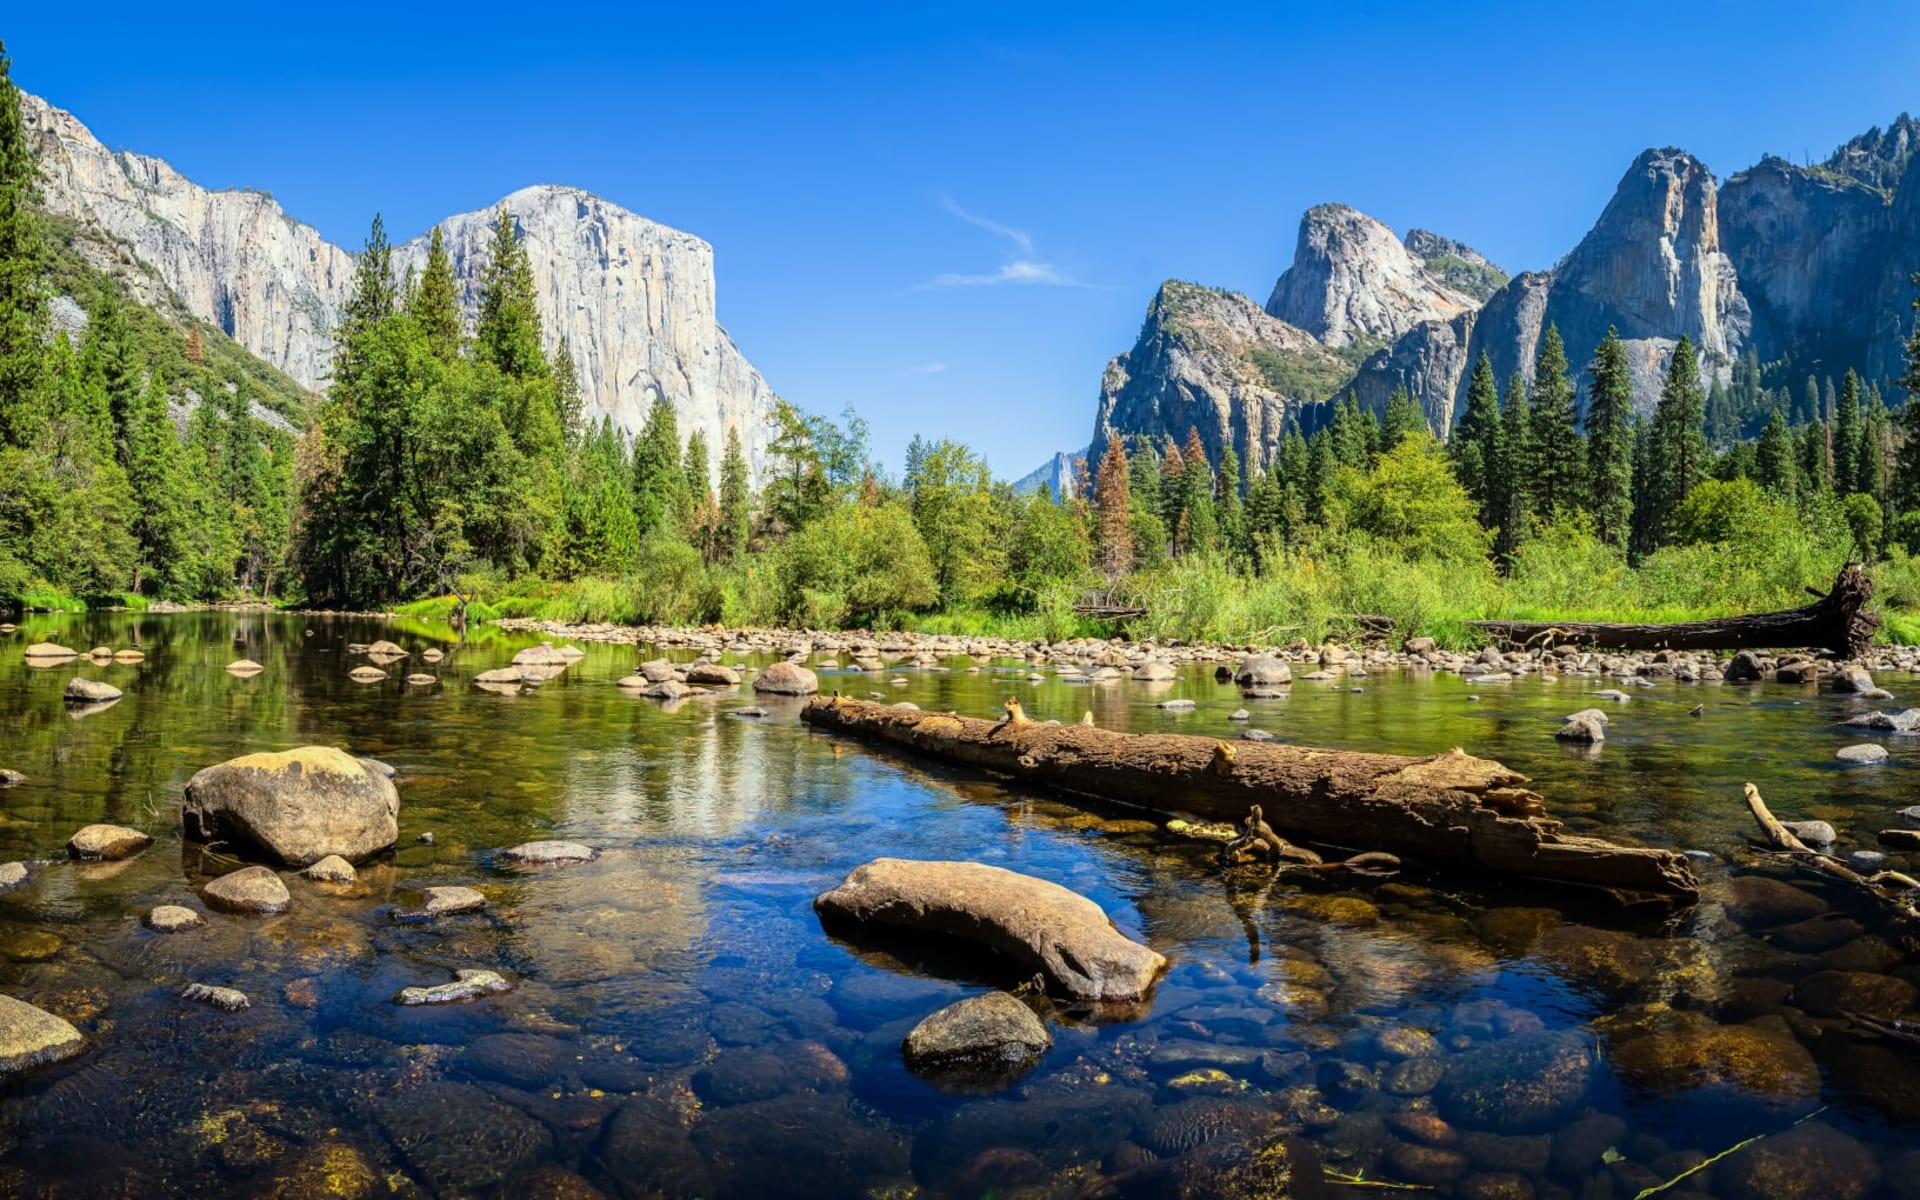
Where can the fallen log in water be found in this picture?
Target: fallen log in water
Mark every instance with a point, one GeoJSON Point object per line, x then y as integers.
{"type": "Point", "coordinates": [1449, 809]}
{"type": "Point", "coordinates": [1891, 897]}
{"type": "Point", "coordinates": [1838, 621]}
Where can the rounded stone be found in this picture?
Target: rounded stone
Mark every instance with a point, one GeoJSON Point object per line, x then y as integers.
{"type": "Point", "coordinates": [30, 1036]}
{"type": "Point", "coordinates": [332, 869]}
{"type": "Point", "coordinates": [443, 902]}
{"type": "Point", "coordinates": [1518, 1084]}
{"type": "Point", "coordinates": [786, 679]}
{"type": "Point", "coordinates": [1814, 1161]}
{"type": "Point", "coordinates": [299, 805]}
{"type": "Point", "coordinates": [244, 666]}
{"type": "Point", "coordinates": [993, 1037]}
{"type": "Point", "coordinates": [254, 891]}
{"type": "Point", "coordinates": [89, 691]}
{"type": "Point", "coordinates": [173, 918]}
{"type": "Point", "coordinates": [366, 674]}
{"type": "Point", "coordinates": [109, 842]}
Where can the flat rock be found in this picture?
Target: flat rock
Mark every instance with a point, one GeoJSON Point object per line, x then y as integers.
{"type": "Point", "coordinates": [1757, 901]}
{"type": "Point", "coordinates": [1037, 924]}
{"type": "Point", "coordinates": [438, 902]}
{"type": "Point", "coordinates": [332, 869]}
{"type": "Point", "coordinates": [655, 670]}
{"type": "Point", "coordinates": [89, 691]}
{"type": "Point", "coordinates": [1863, 754]}
{"type": "Point", "coordinates": [250, 890]}
{"type": "Point", "coordinates": [224, 998]}
{"type": "Point", "coordinates": [544, 854]}
{"type": "Point", "coordinates": [786, 679]}
{"type": "Point", "coordinates": [422, 679]}
{"type": "Point", "coordinates": [1177, 705]}
{"type": "Point", "coordinates": [468, 984]}
{"type": "Point", "coordinates": [543, 655]}
{"type": "Point", "coordinates": [297, 805]}
{"type": "Point", "coordinates": [107, 842]}
{"type": "Point", "coordinates": [366, 674]}
{"type": "Point", "coordinates": [1592, 714]}
{"type": "Point", "coordinates": [50, 650]}
{"type": "Point", "coordinates": [982, 1041]}
{"type": "Point", "coordinates": [1155, 672]}
{"type": "Point", "coordinates": [244, 666]}
{"type": "Point", "coordinates": [709, 674]}
{"type": "Point", "coordinates": [173, 918]}
{"type": "Point", "coordinates": [30, 1036]}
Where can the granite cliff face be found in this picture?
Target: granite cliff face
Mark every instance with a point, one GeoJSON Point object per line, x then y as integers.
{"type": "Point", "coordinates": [1352, 281]}
{"type": "Point", "coordinates": [635, 298]}
{"type": "Point", "coordinates": [1213, 361]}
{"type": "Point", "coordinates": [635, 301]}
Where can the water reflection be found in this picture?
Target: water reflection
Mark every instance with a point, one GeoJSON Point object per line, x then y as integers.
{"type": "Point", "coordinates": [680, 1025]}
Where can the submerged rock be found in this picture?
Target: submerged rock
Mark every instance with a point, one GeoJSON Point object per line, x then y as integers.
{"type": "Point", "coordinates": [1813, 1161]}
{"type": "Point", "coordinates": [443, 902]}
{"type": "Point", "coordinates": [1835, 993]}
{"type": "Point", "coordinates": [107, 842]}
{"type": "Point", "coordinates": [1863, 754]}
{"type": "Point", "coordinates": [1813, 833]}
{"type": "Point", "coordinates": [224, 998]}
{"type": "Point", "coordinates": [1519, 1084]}
{"type": "Point", "coordinates": [332, 869]}
{"type": "Point", "coordinates": [1769, 1067]}
{"type": "Point", "coordinates": [982, 1041]}
{"type": "Point", "coordinates": [786, 679]}
{"type": "Point", "coordinates": [549, 853]}
{"type": "Point", "coordinates": [1036, 924]}
{"type": "Point", "coordinates": [173, 918]}
{"type": "Point", "coordinates": [467, 984]}
{"type": "Point", "coordinates": [30, 1036]}
{"type": "Point", "coordinates": [251, 890]}
{"type": "Point", "coordinates": [298, 805]}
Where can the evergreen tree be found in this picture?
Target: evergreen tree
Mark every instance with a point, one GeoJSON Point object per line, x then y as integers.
{"type": "Point", "coordinates": [1677, 456]}
{"type": "Point", "coordinates": [1356, 434]}
{"type": "Point", "coordinates": [1905, 486]}
{"type": "Point", "coordinates": [566, 392]}
{"type": "Point", "coordinates": [1773, 467]}
{"type": "Point", "coordinates": [22, 307]}
{"type": "Point", "coordinates": [1558, 469]}
{"type": "Point", "coordinates": [1644, 525]}
{"type": "Point", "coordinates": [507, 333]}
{"type": "Point", "coordinates": [1809, 407]}
{"type": "Point", "coordinates": [1403, 418]}
{"type": "Point", "coordinates": [1512, 476]}
{"type": "Point", "coordinates": [1846, 437]}
{"type": "Point", "coordinates": [1610, 442]}
{"type": "Point", "coordinates": [736, 498]}
{"type": "Point", "coordinates": [1113, 537]}
{"type": "Point", "coordinates": [434, 301]}
{"type": "Point", "coordinates": [1811, 451]}
{"type": "Point", "coordinates": [1322, 466]}
{"type": "Point", "coordinates": [1201, 527]}
{"type": "Point", "coordinates": [1228, 505]}
{"type": "Point", "coordinates": [1266, 516]}
{"type": "Point", "coordinates": [659, 478]}
{"type": "Point", "coordinates": [1478, 444]}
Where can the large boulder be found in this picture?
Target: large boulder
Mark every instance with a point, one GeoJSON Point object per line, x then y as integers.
{"type": "Point", "coordinates": [30, 1037]}
{"type": "Point", "coordinates": [1038, 925]}
{"type": "Point", "coordinates": [298, 805]}
{"type": "Point", "coordinates": [1262, 675]}
{"type": "Point", "coordinates": [786, 679]}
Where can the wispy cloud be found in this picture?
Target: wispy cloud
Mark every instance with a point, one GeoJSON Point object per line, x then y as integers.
{"type": "Point", "coordinates": [932, 368]}
{"type": "Point", "coordinates": [1023, 266]}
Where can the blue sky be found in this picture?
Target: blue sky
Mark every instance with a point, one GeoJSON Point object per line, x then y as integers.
{"type": "Point", "coordinates": [951, 217]}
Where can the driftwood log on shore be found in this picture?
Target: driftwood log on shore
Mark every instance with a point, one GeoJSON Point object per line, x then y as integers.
{"type": "Point", "coordinates": [1838, 621]}
{"type": "Point", "coordinates": [1450, 809]}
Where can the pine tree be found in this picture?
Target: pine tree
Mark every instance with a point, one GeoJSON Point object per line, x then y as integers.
{"type": "Point", "coordinates": [1846, 437]}
{"type": "Point", "coordinates": [1478, 454]}
{"type": "Point", "coordinates": [1403, 419]}
{"type": "Point", "coordinates": [1905, 486]}
{"type": "Point", "coordinates": [1113, 528]}
{"type": "Point", "coordinates": [1515, 468]}
{"type": "Point", "coordinates": [735, 498]}
{"type": "Point", "coordinates": [1644, 527]}
{"type": "Point", "coordinates": [1677, 456]}
{"type": "Point", "coordinates": [435, 301]}
{"type": "Point", "coordinates": [567, 403]}
{"type": "Point", "coordinates": [1228, 507]}
{"type": "Point", "coordinates": [196, 350]}
{"type": "Point", "coordinates": [1558, 471]}
{"type": "Point", "coordinates": [1774, 469]}
{"type": "Point", "coordinates": [659, 479]}
{"type": "Point", "coordinates": [1322, 465]}
{"type": "Point", "coordinates": [22, 307]}
{"type": "Point", "coordinates": [1610, 442]}
{"type": "Point", "coordinates": [1196, 501]}
{"type": "Point", "coordinates": [507, 333]}
{"type": "Point", "coordinates": [1812, 453]}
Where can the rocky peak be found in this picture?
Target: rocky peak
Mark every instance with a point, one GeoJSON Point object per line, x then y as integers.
{"type": "Point", "coordinates": [1211, 360]}
{"type": "Point", "coordinates": [1352, 281]}
{"type": "Point", "coordinates": [1879, 156]}
{"type": "Point", "coordinates": [1456, 264]}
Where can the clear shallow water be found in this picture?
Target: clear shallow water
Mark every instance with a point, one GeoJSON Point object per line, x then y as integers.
{"type": "Point", "coordinates": [681, 1025]}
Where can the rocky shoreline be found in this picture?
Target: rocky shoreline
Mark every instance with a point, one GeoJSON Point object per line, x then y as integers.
{"type": "Point", "coordinates": [1325, 661]}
